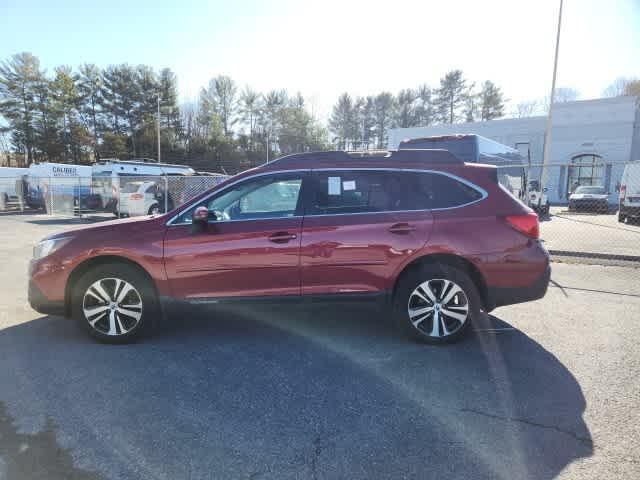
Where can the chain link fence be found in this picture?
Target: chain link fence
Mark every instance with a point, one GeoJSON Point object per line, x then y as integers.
{"type": "Point", "coordinates": [102, 196]}
{"type": "Point", "coordinates": [589, 212]}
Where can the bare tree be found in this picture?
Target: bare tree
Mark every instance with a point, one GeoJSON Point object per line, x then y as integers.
{"type": "Point", "coordinates": [566, 94]}
{"type": "Point", "coordinates": [527, 108]}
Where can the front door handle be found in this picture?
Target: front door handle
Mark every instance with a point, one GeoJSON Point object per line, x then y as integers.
{"type": "Point", "coordinates": [401, 228]}
{"type": "Point", "coordinates": [282, 237]}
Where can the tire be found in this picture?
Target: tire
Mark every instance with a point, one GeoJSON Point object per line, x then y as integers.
{"type": "Point", "coordinates": [411, 294]}
{"type": "Point", "coordinates": [154, 209]}
{"type": "Point", "coordinates": [546, 208]}
{"type": "Point", "coordinates": [109, 324]}
{"type": "Point", "coordinates": [621, 217]}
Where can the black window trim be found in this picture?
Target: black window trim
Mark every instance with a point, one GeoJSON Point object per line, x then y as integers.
{"type": "Point", "coordinates": [299, 211]}
{"type": "Point", "coordinates": [304, 193]}
{"type": "Point", "coordinates": [475, 187]}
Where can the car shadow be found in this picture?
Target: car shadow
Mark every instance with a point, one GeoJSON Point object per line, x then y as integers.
{"type": "Point", "coordinates": [297, 392]}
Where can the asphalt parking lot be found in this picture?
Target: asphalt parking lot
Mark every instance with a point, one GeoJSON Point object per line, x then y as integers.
{"type": "Point", "coordinates": [546, 390]}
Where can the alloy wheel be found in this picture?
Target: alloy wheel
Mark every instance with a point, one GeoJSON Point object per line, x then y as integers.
{"type": "Point", "coordinates": [112, 306]}
{"type": "Point", "coordinates": [438, 308]}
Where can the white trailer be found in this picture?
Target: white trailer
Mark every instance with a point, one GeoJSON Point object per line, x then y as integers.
{"type": "Point", "coordinates": [58, 185]}
{"type": "Point", "coordinates": [8, 178]}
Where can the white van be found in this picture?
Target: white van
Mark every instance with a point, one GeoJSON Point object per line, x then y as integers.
{"type": "Point", "coordinates": [629, 201]}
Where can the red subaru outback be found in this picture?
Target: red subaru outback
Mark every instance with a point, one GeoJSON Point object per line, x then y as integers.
{"type": "Point", "coordinates": [437, 239]}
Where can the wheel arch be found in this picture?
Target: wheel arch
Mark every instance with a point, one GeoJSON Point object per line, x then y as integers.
{"type": "Point", "coordinates": [94, 262]}
{"type": "Point", "coordinates": [455, 261]}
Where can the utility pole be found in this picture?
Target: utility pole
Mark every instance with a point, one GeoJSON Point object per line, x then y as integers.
{"type": "Point", "coordinates": [547, 134]}
{"type": "Point", "coordinates": [158, 125]}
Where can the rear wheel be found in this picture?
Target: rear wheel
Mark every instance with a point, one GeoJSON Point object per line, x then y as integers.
{"type": "Point", "coordinates": [115, 303]}
{"type": "Point", "coordinates": [436, 303]}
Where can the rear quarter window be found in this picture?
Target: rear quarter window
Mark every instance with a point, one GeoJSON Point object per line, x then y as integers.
{"type": "Point", "coordinates": [435, 190]}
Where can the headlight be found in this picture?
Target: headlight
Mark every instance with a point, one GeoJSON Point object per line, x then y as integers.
{"type": "Point", "coordinates": [48, 246]}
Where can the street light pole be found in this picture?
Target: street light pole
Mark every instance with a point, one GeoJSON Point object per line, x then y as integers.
{"type": "Point", "coordinates": [158, 126]}
{"type": "Point", "coordinates": [547, 134]}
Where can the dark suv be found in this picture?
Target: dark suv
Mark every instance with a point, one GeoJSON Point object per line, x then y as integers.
{"type": "Point", "coordinates": [439, 240]}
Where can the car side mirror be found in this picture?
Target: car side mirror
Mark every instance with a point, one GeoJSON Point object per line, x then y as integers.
{"type": "Point", "coordinates": [199, 219]}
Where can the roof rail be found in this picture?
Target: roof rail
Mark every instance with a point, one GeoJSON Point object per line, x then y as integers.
{"type": "Point", "coordinates": [419, 155]}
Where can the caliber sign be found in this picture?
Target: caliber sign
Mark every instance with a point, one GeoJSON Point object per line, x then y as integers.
{"type": "Point", "coordinates": [65, 171]}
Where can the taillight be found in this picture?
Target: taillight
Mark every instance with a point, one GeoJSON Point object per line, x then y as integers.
{"type": "Point", "coordinates": [526, 224]}
{"type": "Point", "coordinates": [623, 191]}
{"type": "Point", "coordinates": [136, 196]}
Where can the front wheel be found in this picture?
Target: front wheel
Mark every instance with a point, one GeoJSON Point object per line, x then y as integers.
{"type": "Point", "coordinates": [622, 218]}
{"type": "Point", "coordinates": [436, 304]}
{"type": "Point", "coordinates": [546, 208]}
{"type": "Point", "coordinates": [114, 303]}
{"type": "Point", "coordinates": [154, 209]}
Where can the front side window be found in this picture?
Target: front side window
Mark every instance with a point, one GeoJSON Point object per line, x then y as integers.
{"type": "Point", "coordinates": [274, 196]}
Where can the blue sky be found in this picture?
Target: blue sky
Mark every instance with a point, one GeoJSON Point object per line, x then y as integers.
{"type": "Point", "coordinates": [326, 47]}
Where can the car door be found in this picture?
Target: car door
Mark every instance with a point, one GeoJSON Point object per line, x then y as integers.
{"type": "Point", "coordinates": [357, 231]}
{"type": "Point", "coordinates": [251, 249]}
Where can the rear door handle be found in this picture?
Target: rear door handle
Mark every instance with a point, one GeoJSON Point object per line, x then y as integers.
{"type": "Point", "coordinates": [401, 228]}
{"type": "Point", "coordinates": [282, 237]}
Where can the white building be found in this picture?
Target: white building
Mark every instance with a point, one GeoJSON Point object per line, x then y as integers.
{"type": "Point", "coordinates": [590, 141]}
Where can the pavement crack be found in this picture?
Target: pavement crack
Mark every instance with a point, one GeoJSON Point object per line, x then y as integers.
{"type": "Point", "coordinates": [575, 436]}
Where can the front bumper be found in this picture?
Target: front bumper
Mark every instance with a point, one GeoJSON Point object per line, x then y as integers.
{"type": "Point", "coordinates": [40, 303]}
{"type": "Point", "coordinates": [500, 296]}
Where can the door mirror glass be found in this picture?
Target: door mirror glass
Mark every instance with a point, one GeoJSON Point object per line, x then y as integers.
{"type": "Point", "coordinates": [200, 215]}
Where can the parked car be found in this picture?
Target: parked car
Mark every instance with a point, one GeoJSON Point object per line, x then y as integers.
{"type": "Point", "coordinates": [589, 198]}
{"type": "Point", "coordinates": [537, 198]}
{"type": "Point", "coordinates": [142, 198]}
{"type": "Point", "coordinates": [110, 175]}
{"type": "Point", "coordinates": [393, 228]}
{"type": "Point", "coordinates": [629, 202]}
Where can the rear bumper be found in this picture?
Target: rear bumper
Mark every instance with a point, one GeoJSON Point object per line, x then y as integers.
{"type": "Point", "coordinates": [40, 303]}
{"type": "Point", "coordinates": [500, 296]}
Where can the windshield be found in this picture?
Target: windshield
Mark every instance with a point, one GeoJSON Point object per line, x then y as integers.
{"type": "Point", "coordinates": [592, 190]}
{"type": "Point", "coordinates": [131, 187]}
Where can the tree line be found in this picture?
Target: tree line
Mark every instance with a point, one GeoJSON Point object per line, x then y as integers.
{"type": "Point", "coordinates": [88, 114]}
{"type": "Point", "coordinates": [363, 122]}
{"type": "Point", "coordinates": [91, 113]}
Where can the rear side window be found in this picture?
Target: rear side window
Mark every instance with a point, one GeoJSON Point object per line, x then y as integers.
{"type": "Point", "coordinates": [343, 192]}
{"type": "Point", "coordinates": [426, 191]}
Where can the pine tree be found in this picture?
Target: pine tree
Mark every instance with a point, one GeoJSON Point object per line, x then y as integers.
{"type": "Point", "coordinates": [90, 90]}
{"type": "Point", "coordinates": [341, 122]}
{"type": "Point", "coordinates": [424, 110]}
{"type": "Point", "coordinates": [406, 114]}
{"type": "Point", "coordinates": [491, 101]}
{"type": "Point", "coordinates": [19, 77]}
{"type": "Point", "coordinates": [384, 105]}
{"type": "Point", "coordinates": [451, 97]}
